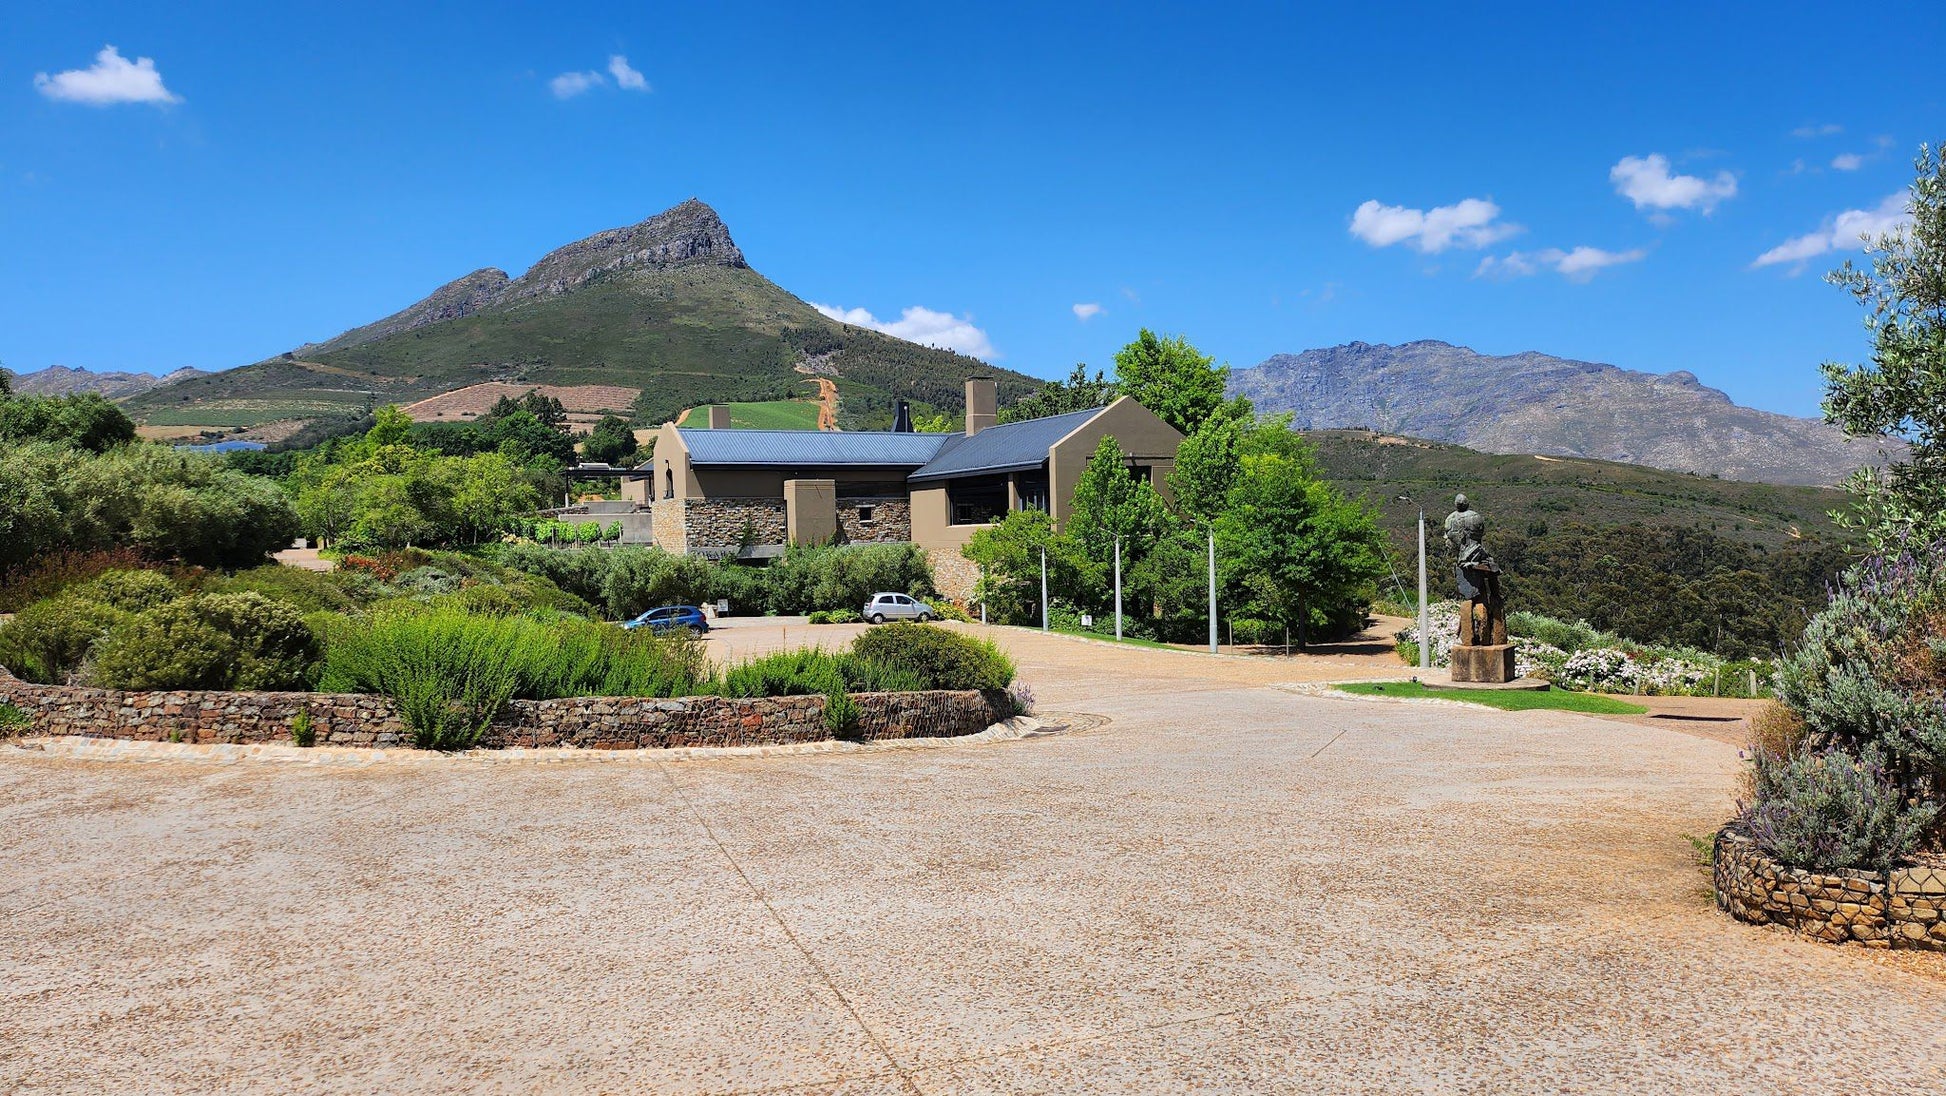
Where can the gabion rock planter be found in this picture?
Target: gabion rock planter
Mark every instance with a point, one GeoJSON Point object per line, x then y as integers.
{"type": "Point", "coordinates": [1899, 909]}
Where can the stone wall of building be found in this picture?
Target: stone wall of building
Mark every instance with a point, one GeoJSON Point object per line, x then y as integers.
{"type": "Point", "coordinates": [1905, 908]}
{"type": "Point", "coordinates": [665, 521]}
{"type": "Point", "coordinates": [605, 723]}
{"type": "Point", "coordinates": [724, 522]}
{"type": "Point", "coordinates": [891, 520]}
{"type": "Point", "coordinates": [953, 573]}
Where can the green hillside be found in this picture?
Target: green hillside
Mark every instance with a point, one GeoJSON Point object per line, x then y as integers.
{"type": "Point", "coordinates": [769, 415]}
{"type": "Point", "coordinates": [1528, 493]}
{"type": "Point", "coordinates": [666, 306]}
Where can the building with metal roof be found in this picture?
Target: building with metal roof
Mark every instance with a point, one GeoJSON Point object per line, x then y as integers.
{"type": "Point", "coordinates": [723, 493]}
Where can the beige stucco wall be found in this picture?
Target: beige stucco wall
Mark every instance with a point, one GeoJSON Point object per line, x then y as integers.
{"type": "Point", "coordinates": [1143, 436]}
{"type": "Point", "coordinates": [811, 511]}
{"type": "Point", "coordinates": [932, 524]}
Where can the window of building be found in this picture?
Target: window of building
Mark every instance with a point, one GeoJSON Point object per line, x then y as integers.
{"type": "Point", "coordinates": [668, 480]}
{"type": "Point", "coordinates": [1031, 490]}
{"type": "Point", "coordinates": [865, 515]}
{"type": "Point", "coordinates": [977, 501]}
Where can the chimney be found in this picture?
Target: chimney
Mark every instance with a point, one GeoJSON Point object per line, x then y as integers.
{"type": "Point", "coordinates": [901, 417]}
{"type": "Point", "coordinates": [719, 417]}
{"type": "Point", "coordinates": [982, 402]}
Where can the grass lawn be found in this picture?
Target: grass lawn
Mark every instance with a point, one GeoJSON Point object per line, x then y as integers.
{"type": "Point", "coordinates": [772, 415]}
{"type": "Point", "coordinates": [1509, 700]}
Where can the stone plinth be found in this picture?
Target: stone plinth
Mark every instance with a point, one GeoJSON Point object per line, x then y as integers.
{"type": "Point", "coordinates": [1487, 664]}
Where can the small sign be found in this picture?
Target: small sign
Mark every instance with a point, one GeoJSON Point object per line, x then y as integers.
{"type": "Point", "coordinates": [723, 607]}
{"type": "Point", "coordinates": [1087, 621]}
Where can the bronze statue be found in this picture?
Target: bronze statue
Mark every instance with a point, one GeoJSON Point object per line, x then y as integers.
{"type": "Point", "coordinates": [1483, 618]}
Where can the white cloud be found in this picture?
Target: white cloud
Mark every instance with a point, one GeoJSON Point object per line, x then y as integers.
{"type": "Point", "coordinates": [1471, 223]}
{"type": "Point", "coordinates": [1847, 161]}
{"type": "Point", "coordinates": [1087, 311]}
{"type": "Point", "coordinates": [570, 84]}
{"type": "Point", "coordinates": [1577, 265]}
{"type": "Point", "coordinates": [1648, 182]}
{"type": "Point", "coordinates": [112, 79]}
{"type": "Point", "coordinates": [921, 325]}
{"type": "Point", "coordinates": [626, 78]}
{"type": "Point", "coordinates": [1845, 232]}
{"type": "Point", "coordinates": [1829, 129]}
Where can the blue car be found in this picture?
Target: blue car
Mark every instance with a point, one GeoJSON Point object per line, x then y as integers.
{"type": "Point", "coordinates": [670, 618]}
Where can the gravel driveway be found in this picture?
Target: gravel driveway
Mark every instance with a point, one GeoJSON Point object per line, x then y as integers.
{"type": "Point", "coordinates": [1226, 886]}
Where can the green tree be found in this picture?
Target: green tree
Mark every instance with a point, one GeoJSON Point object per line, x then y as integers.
{"type": "Point", "coordinates": [1299, 554]}
{"type": "Point", "coordinates": [1009, 555]}
{"type": "Point", "coordinates": [1902, 391]}
{"type": "Point", "coordinates": [490, 493]}
{"type": "Point", "coordinates": [1111, 503]}
{"type": "Point", "coordinates": [84, 420]}
{"type": "Point", "coordinates": [1181, 384]}
{"type": "Point", "coordinates": [392, 427]}
{"type": "Point", "coordinates": [612, 441]}
{"type": "Point", "coordinates": [1079, 392]}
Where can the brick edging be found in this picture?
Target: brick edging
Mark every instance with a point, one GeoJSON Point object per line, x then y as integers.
{"type": "Point", "coordinates": [1903, 908]}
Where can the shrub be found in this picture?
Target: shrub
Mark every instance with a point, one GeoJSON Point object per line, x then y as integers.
{"type": "Point", "coordinates": [1569, 636]}
{"type": "Point", "coordinates": [276, 649]}
{"type": "Point", "coordinates": [1827, 810]}
{"type": "Point", "coordinates": [304, 733]}
{"type": "Point", "coordinates": [169, 646]}
{"type": "Point", "coordinates": [48, 641]}
{"type": "Point", "coordinates": [805, 579]}
{"type": "Point", "coordinates": [449, 673]}
{"type": "Point", "coordinates": [452, 672]}
{"type": "Point", "coordinates": [1775, 731]}
{"type": "Point", "coordinates": [309, 591]}
{"type": "Point", "coordinates": [13, 721]}
{"type": "Point", "coordinates": [939, 658]}
{"type": "Point", "coordinates": [841, 714]}
{"type": "Point", "coordinates": [129, 591]}
{"type": "Point", "coordinates": [53, 572]}
{"type": "Point", "coordinates": [831, 616]}
{"type": "Point", "coordinates": [802, 672]}
{"type": "Point", "coordinates": [426, 581]}
{"type": "Point", "coordinates": [1020, 698]}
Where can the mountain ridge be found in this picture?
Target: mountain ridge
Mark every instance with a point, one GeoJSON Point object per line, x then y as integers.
{"type": "Point", "coordinates": [1531, 402]}
{"type": "Point", "coordinates": [64, 380]}
{"type": "Point", "coordinates": [669, 305]}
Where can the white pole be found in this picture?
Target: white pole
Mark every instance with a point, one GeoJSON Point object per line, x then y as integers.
{"type": "Point", "coordinates": [1425, 638]}
{"type": "Point", "coordinates": [1043, 589]}
{"type": "Point", "coordinates": [1212, 589]}
{"type": "Point", "coordinates": [1118, 587]}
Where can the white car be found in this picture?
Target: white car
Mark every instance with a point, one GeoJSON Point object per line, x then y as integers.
{"type": "Point", "coordinates": [884, 607]}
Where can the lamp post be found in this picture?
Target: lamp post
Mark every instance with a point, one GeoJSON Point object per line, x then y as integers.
{"type": "Point", "coordinates": [1212, 589]}
{"type": "Point", "coordinates": [1425, 636]}
{"type": "Point", "coordinates": [1118, 587]}
{"type": "Point", "coordinates": [1043, 589]}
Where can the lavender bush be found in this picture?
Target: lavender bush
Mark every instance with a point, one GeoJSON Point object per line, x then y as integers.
{"type": "Point", "coordinates": [1826, 810]}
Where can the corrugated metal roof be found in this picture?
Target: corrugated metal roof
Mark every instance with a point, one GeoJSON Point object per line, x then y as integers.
{"type": "Point", "coordinates": [1008, 448]}
{"type": "Point", "coordinates": [812, 448]}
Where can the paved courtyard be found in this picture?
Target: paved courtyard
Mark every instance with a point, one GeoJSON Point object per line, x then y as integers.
{"type": "Point", "coordinates": [1217, 885]}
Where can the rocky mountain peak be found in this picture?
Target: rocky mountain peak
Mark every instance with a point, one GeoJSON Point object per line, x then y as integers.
{"type": "Point", "coordinates": [689, 233]}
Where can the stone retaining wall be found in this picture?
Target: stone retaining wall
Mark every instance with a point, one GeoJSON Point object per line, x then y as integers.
{"type": "Point", "coordinates": [724, 522]}
{"type": "Point", "coordinates": [1900, 909]}
{"type": "Point", "coordinates": [604, 723]}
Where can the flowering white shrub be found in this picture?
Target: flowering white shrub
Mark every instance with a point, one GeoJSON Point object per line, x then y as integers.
{"type": "Point", "coordinates": [1532, 658]}
{"type": "Point", "coordinates": [1613, 670]}
{"type": "Point", "coordinates": [1442, 618]}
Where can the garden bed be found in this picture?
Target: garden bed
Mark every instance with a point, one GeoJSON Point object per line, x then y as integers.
{"type": "Point", "coordinates": [593, 722]}
{"type": "Point", "coordinates": [1903, 908]}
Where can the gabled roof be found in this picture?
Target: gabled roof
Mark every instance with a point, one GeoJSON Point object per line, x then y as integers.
{"type": "Point", "coordinates": [810, 448]}
{"type": "Point", "coordinates": [1011, 448]}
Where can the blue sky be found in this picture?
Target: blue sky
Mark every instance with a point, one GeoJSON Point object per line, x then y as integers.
{"type": "Point", "coordinates": [1596, 186]}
